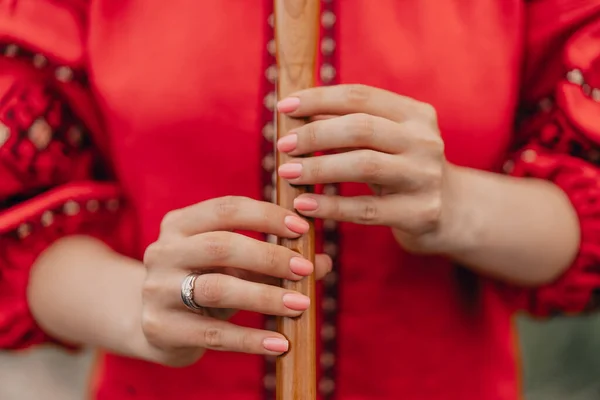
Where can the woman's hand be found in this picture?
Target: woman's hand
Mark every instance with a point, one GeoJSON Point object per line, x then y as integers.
{"type": "Point", "coordinates": [390, 142]}
{"type": "Point", "coordinates": [524, 231]}
{"type": "Point", "coordinates": [236, 273]}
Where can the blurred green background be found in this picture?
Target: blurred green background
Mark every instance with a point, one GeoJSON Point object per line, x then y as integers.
{"type": "Point", "coordinates": [561, 358]}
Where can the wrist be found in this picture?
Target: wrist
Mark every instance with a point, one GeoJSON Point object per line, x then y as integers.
{"type": "Point", "coordinates": [460, 221]}
{"type": "Point", "coordinates": [82, 292]}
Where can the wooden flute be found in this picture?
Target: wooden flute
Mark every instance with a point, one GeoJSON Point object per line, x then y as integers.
{"type": "Point", "coordinates": [296, 37]}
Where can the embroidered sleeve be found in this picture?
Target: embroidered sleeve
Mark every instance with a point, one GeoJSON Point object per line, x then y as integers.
{"type": "Point", "coordinates": [559, 138]}
{"type": "Point", "coordinates": [53, 181]}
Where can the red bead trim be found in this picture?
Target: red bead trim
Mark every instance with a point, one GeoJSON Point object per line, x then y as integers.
{"type": "Point", "coordinates": [62, 73]}
{"type": "Point", "coordinates": [331, 233]}
{"type": "Point", "coordinates": [267, 147]}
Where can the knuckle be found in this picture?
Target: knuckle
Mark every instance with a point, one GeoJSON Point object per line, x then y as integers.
{"type": "Point", "coordinates": [440, 147]}
{"type": "Point", "coordinates": [269, 299]}
{"type": "Point", "coordinates": [171, 221]}
{"type": "Point", "coordinates": [161, 253]}
{"type": "Point", "coordinates": [436, 177]}
{"type": "Point", "coordinates": [271, 261]}
{"type": "Point", "coordinates": [315, 169]}
{"type": "Point", "coordinates": [337, 211]}
{"type": "Point", "coordinates": [268, 212]}
{"type": "Point", "coordinates": [152, 328]}
{"type": "Point", "coordinates": [247, 343]}
{"type": "Point", "coordinates": [370, 166]}
{"type": "Point", "coordinates": [357, 94]}
{"type": "Point", "coordinates": [431, 143]}
{"type": "Point", "coordinates": [429, 217]}
{"type": "Point", "coordinates": [369, 212]}
{"type": "Point", "coordinates": [312, 135]}
{"type": "Point", "coordinates": [209, 289]}
{"type": "Point", "coordinates": [363, 129]}
{"type": "Point", "coordinates": [152, 254]}
{"type": "Point", "coordinates": [437, 146]}
{"type": "Point", "coordinates": [213, 338]}
{"type": "Point", "coordinates": [412, 129]}
{"type": "Point", "coordinates": [152, 288]}
{"type": "Point", "coordinates": [162, 350]}
{"type": "Point", "coordinates": [429, 113]}
{"type": "Point", "coordinates": [216, 246]}
{"type": "Point", "coordinates": [226, 207]}
{"type": "Point", "coordinates": [431, 177]}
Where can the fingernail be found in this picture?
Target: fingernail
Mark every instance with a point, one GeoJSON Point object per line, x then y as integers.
{"type": "Point", "coordinates": [305, 204]}
{"type": "Point", "coordinates": [296, 224]}
{"type": "Point", "coordinates": [288, 105]}
{"type": "Point", "coordinates": [287, 143]}
{"type": "Point", "coordinates": [301, 266]}
{"type": "Point", "coordinates": [296, 302]}
{"type": "Point", "coordinates": [290, 171]}
{"type": "Point", "coordinates": [276, 345]}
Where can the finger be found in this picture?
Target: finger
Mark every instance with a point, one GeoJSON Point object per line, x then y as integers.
{"type": "Point", "coordinates": [366, 210]}
{"type": "Point", "coordinates": [233, 213]}
{"type": "Point", "coordinates": [186, 330]}
{"type": "Point", "coordinates": [351, 99]}
{"type": "Point", "coordinates": [363, 166]}
{"type": "Point", "coordinates": [348, 131]}
{"type": "Point", "coordinates": [323, 265]}
{"type": "Point", "coordinates": [411, 214]}
{"type": "Point", "coordinates": [227, 249]}
{"type": "Point", "coordinates": [225, 291]}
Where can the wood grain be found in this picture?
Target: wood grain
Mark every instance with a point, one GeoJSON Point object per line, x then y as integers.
{"type": "Point", "coordinates": [296, 35]}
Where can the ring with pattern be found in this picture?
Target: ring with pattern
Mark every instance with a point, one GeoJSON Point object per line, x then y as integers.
{"type": "Point", "coordinates": [187, 293]}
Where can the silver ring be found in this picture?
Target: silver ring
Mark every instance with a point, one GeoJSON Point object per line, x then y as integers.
{"type": "Point", "coordinates": [187, 293]}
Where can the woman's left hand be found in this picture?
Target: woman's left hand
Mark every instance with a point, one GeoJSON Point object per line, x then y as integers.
{"type": "Point", "coordinates": [388, 141]}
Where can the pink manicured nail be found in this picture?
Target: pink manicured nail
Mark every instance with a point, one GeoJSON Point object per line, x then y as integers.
{"type": "Point", "coordinates": [290, 171]}
{"type": "Point", "coordinates": [305, 204]}
{"type": "Point", "coordinates": [296, 224]}
{"type": "Point", "coordinates": [276, 345]}
{"type": "Point", "coordinates": [301, 266]}
{"type": "Point", "coordinates": [287, 143]}
{"type": "Point", "coordinates": [296, 302]}
{"type": "Point", "coordinates": [288, 105]}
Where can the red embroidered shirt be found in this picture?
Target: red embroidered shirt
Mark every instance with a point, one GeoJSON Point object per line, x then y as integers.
{"type": "Point", "coordinates": [113, 113]}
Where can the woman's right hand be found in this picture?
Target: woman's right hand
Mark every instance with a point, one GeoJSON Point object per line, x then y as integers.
{"type": "Point", "coordinates": [236, 273]}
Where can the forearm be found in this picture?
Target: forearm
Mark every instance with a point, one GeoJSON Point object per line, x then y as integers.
{"type": "Point", "coordinates": [520, 230]}
{"type": "Point", "coordinates": [82, 292]}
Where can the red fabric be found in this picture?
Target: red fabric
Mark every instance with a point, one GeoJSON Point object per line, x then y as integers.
{"type": "Point", "coordinates": [174, 103]}
{"type": "Point", "coordinates": [52, 179]}
{"type": "Point", "coordinates": [27, 229]}
{"type": "Point", "coordinates": [560, 143]}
